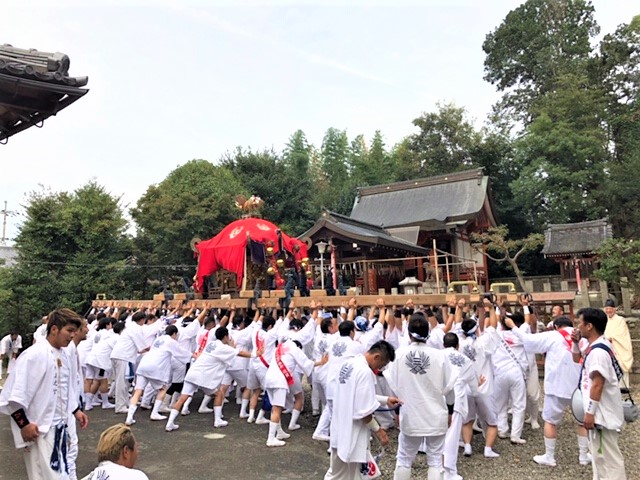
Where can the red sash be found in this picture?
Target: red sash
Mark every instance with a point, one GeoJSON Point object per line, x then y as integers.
{"type": "Point", "coordinates": [283, 368]}
{"type": "Point", "coordinates": [260, 346]}
{"type": "Point", "coordinates": [567, 338]}
{"type": "Point", "coordinates": [203, 344]}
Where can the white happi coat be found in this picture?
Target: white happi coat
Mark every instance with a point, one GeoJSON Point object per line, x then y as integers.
{"type": "Point", "coordinates": [156, 365]}
{"type": "Point", "coordinates": [354, 399]}
{"type": "Point", "coordinates": [129, 343]}
{"type": "Point", "coordinates": [561, 374]}
{"type": "Point", "coordinates": [421, 377]}
{"type": "Point", "coordinates": [186, 341]}
{"type": "Point", "coordinates": [292, 357]}
{"type": "Point", "coordinates": [208, 369]}
{"type": "Point", "coordinates": [501, 358]}
{"type": "Point", "coordinates": [76, 382]}
{"type": "Point", "coordinates": [100, 354]}
{"type": "Point", "coordinates": [243, 341]}
{"type": "Point", "coordinates": [10, 347]}
{"type": "Point", "coordinates": [322, 344]}
{"type": "Point", "coordinates": [479, 351]}
{"type": "Point", "coordinates": [342, 349]}
{"type": "Point", "coordinates": [464, 379]}
{"type": "Point", "coordinates": [609, 414]}
{"type": "Point", "coordinates": [109, 470]}
{"type": "Point", "coordinates": [33, 386]}
{"type": "Point", "coordinates": [40, 334]}
{"type": "Point", "coordinates": [266, 340]}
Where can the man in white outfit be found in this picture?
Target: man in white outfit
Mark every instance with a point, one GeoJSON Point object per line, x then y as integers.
{"type": "Point", "coordinates": [10, 346]}
{"type": "Point", "coordinates": [561, 376]}
{"type": "Point", "coordinates": [599, 382]}
{"type": "Point", "coordinates": [354, 403]}
{"type": "Point", "coordinates": [38, 398]}
{"type": "Point", "coordinates": [421, 377]}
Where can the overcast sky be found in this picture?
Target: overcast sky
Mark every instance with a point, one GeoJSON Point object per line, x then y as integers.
{"type": "Point", "coordinates": [174, 81]}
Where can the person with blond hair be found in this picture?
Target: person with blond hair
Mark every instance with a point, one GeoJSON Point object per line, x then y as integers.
{"type": "Point", "coordinates": [117, 454]}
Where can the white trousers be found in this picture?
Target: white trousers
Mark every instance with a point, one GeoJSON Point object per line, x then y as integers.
{"type": "Point", "coordinates": [408, 449]}
{"type": "Point", "coordinates": [510, 384]}
{"type": "Point", "coordinates": [339, 470]}
{"type": "Point", "coordinates": [72, 449]}
{"type": "Point", "coordinates": [37, 458]}
{"type": "Point", "coordinates": [122, 386]}
{"type": "Point", "coordinates": [324, 422]}
{"type": "Point", "coordinates": [318, 395]}
{"type": "Point", "coordinates": [608, 462]}
{"type": "Point", "coordinates": [385, 419]}
{"type": "Point", "coordinates": [451, 444]}
{"type": "Point", "coordinates": [533, 392]}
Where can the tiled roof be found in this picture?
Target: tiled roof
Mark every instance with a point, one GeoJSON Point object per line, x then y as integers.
{"type": "Point", "coordinates": [34, 86]}
{"type": "Point", "coordinates": [429, 202]}
{"type": "Point", "coordinates": [576, 238]}
{"type": "Point", "coordinates": [361, 232]}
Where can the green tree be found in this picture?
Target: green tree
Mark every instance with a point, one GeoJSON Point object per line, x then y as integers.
{"type": "Point", "coordinates": [70, 247]}
{"type": "Point", "coordinates": [617, 67]}
{"type": "Point", "coordinates": [444, 143]}
{"type": "Point", "coordinates": [535, 45]}
{"type": "Point", "coordinates": [619, 264]}
{"type": "Point", "coordinates": [496, 245]}
{"type": "Point", "coordinates": [340, 190]}
{"type": "Point", "coordinates": [562, 156]}
{"type": "Point", "coordinates": [195, 199]}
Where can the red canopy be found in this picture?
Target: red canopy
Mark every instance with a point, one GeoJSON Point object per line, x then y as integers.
{"type": "Point", "coordinates": [227, 249]}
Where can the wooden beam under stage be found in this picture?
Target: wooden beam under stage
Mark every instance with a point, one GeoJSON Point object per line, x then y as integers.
{"type": "Point", "coordinates": [338, 301]}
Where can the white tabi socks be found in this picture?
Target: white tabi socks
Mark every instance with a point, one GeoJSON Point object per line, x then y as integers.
{"type": "Point", "coordinates": [293, 424]}
{"type": "Point", "coordinates": [402, 473]}
{"type": "Point", "coordinates": [185, 407]}
{"type": "Point", "coordinates": [243, 408]}
{"type": "Point", "coordinates": [583, 445]}
{"type": "Point", "coordinates": [434, 473]}
{"type": "Point", "coordinates": [548, 458]}
{"type": "Point", "coordinates": [219, 422]}
{"type": "Point", "coordinates": [130, 414]}
{"type": "Point", "coordinates": [171, 422]}
{"type": "Point", "coordinates": [272, 441]}
{"type": "Point", "coordinates": [204, 405]}
{"type": "Point", "coordinates": [106, 404]}
{"type": "Point", "coordinates": [88, 401]}
{"type": "Point", "coordinates": [155, 413]}
{"type": "Point", "coordinates": [165, 408]}
{"type": "Point", "coordinates": [261, 420]}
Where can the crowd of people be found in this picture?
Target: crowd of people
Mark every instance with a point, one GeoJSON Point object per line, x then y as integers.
{"type": "Point", "coordinates": [433, 372]}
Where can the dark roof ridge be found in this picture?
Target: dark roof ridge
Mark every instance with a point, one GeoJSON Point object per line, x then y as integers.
{"type": "Point", "coordinates": [353, 221]}
{"type": "Point", "coordinates": [423, 182]}
{"type": "Point", "coordinates": [601, 222]}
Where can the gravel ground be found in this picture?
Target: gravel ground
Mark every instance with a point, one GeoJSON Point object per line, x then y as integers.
{"type": "Point", "coordinates": [516, 461]}
{"type": "Point", "coordinates": [305, 458]}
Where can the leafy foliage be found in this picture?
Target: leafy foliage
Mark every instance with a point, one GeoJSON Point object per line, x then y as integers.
{"type": "Point", "coordinates": [620, 264]}
{"type": "Point", "coordinates": [69, 248]}
{"type": "Point", "coordinates": [495, 244]}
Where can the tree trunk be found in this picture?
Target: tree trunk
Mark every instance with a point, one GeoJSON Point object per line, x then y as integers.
{"type": "Point", "coordinates": [518, 273]}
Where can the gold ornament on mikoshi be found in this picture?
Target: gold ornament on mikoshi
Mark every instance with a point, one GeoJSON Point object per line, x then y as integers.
{"type": "Point", "coordinates": [271, 271]}
{"type": "Point", "coordinates": [269, 251]}
{"type": "Point", "coordinates": [304, 264]}
{"type": "Point", "coordinates": [280, 263]}
{"type": "Point", "coordinates": [308, 273]}
{"type": "Point", "coordinates": [305, 259]}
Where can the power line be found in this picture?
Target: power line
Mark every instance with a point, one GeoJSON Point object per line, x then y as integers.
{"type": "Point", "coordinates": [72, 264]}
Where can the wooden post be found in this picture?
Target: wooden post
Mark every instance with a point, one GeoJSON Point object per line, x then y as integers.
{"type": "Point", "coordinates": [435, 262]}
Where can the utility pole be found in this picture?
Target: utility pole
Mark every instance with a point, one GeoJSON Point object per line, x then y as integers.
{"type": "Point", "coordinates": [5, 213]}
